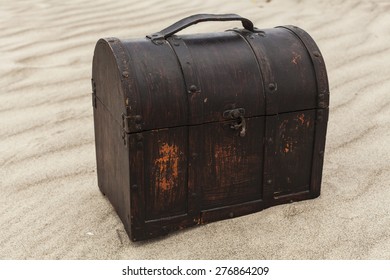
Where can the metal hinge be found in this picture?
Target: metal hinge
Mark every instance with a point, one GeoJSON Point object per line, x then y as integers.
{"type": "Point", "coordinates": [125, 128]}
{"type": "Point", "coordinates": [125, 123]}
{"type": "Point", "coordinates": [93, 93]}
{"type": "Point", "coordinates": [129, 122]}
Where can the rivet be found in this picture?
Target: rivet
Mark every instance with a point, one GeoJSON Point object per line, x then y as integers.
{"type": "Point", "coordinates": [251, 37]}
{"type": "Point", "coordinates": [138, 127]}
{"type": "Point", "coordinates": [193, 88]}
{"type": "Point", "coordinates": [321, 153]}
{"type": "Point", "coordinates": [272, 86]}
{"type": "Point", "coordinates": [193, 194]}
{"type": "Point", "coordinates": [127, 101]}
{"type": "Point", "coordinates": [164, 229]}
{"type": "Point", "coordinates": [176, 44]}
{"type": "Point", "coordinates": [316, 54]}
{"type": "Point", "coordinates": [138, 119]}
{"type": "Point", "coordinates": [269, 181]}
{"type": "Point", "coordinates": [321, 104]}
{"type": "Point", "coordinates": [321, 96]}
{"type": "Point", "coordinates": [125, 74]}
{"type": "Point", "coordinates": [270, 140]}
{"type": "Point", "coordinates": [231, 214]}
{"type": "Point", "coordinates": [134, 187]}
{"type": "Point", "coordinates": [194, 155]}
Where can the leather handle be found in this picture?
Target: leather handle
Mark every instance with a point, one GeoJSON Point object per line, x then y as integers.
{"type": "Point", "coordinates": [194, 19]}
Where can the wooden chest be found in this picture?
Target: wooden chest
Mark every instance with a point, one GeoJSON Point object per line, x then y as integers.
{"type": "Point", "coordinates": [197, 128]}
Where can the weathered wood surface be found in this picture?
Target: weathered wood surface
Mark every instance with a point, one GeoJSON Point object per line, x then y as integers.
{"type": "Point", "coordinates": [50, 205]}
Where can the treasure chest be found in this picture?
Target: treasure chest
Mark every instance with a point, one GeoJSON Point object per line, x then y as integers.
{"type": "Point", "coordinates": [197, 128]}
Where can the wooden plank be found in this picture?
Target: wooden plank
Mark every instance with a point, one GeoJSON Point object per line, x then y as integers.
{"type": "Point", "coordinates": [294, 151]}
{"type": "Point", "coordinates": [165, 177]}
{"type": "Point", "coordinates": [229, 168]}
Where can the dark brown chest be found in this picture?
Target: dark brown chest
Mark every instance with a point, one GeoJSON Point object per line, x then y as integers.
{"type": "Point", "coordinates": [204, 127]}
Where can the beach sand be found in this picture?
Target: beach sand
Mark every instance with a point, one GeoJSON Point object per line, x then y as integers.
{"type": "Point", "coordinates": [50, 204]}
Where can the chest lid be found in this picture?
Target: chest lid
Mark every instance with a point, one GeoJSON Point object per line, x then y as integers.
{"type": "Point", "coordinates": [165, 80]}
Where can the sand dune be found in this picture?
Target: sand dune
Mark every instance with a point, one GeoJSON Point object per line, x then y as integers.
{"type": "Point", "coordinates": [50, 205]}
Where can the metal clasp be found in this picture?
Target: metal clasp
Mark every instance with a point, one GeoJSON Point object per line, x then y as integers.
{"type": "Point", "coordinates": [238, 115]}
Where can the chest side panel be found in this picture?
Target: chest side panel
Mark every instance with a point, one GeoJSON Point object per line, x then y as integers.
{"type": "Point", "coordinates": [107, 82]}
{"type": "Point", "coordinates": [111, 152]}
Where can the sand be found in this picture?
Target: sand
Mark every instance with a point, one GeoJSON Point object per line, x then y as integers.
{"type": "Point", "coordinates": [50, 205]}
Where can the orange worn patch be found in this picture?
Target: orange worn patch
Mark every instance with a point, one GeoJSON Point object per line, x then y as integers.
{"type": "Point", "coordinates": [301, 118]}
{"type": "Point", "coordinates": [289, 145]}
{"type": "Point", "coordinates": [304, 120]}
{"type": "Point", "coordinates": [167, 167]}
{"type": "Point", "coordinates": [296, 58]}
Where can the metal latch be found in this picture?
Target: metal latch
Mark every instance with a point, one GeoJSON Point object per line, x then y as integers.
{"type": "Point", "coordinates": [238, 116]}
